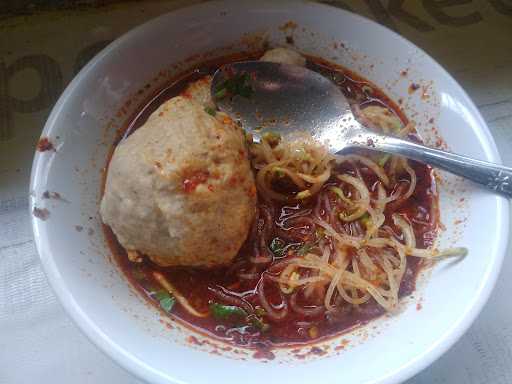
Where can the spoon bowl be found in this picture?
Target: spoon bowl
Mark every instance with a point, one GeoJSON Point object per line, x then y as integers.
{"type": "Point", "coordinates": [289, 99]}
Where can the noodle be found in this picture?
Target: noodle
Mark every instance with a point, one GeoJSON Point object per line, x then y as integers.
{"type": "Point", "coordinates": [353, 259]}
{"type": "Point", "coordinates": [179, 297]}
{"type": "Point", "coordinates": [233, 300]}
{"type": "Point", "coordinates": [305, 311]}
{"type": "Point", "coordinates": [363, 203]}
{"type": "Point", "coordinates": [301, 161]}
{"type": "Point", "coordinates": [377, 169]}
{"type": "Point", "coordinates": [269, 309]}
{"type": "Point", "coordinates": [405, 227]}
{"type": "Point", "coordinates": [412, 182]}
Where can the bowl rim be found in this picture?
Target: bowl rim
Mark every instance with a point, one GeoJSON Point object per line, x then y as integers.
{"type": "Point", "coordinates": [137, 366]}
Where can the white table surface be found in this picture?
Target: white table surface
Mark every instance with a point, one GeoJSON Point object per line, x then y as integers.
{"type": "Point", "coordinates": [39, 55]}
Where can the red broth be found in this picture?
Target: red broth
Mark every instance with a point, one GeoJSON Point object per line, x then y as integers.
{"type": "Point", "coordinates": [233, 285]}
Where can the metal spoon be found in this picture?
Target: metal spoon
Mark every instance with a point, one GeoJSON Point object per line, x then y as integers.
{"type": "Point", "coordinates": [283, 98]}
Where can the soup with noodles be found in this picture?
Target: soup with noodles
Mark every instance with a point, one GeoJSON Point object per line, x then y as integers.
{"type": "Point", "coordinates": [335, 242]}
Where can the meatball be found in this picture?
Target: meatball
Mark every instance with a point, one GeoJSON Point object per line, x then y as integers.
{"type": "Point", "coordinates": [284, 56]}
{"type": "Point", "coordinates": [199, 91]}
{"type": "Point", "coordinates": [180, 189]}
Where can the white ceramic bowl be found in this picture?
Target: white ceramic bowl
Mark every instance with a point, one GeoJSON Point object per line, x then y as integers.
{"type": "Point", "coordinates": [82, 126]}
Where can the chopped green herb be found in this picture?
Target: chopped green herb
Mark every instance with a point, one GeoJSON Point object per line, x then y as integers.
{"type": "Point", "coordinates": [367, 89]}
{"type": "Point", "coordinates": [237, 85]}
{"type": "Point", "coordinates": [303, 194]}
{"type": "Point", "coordinates": [220, 93]}
{"type": "Point", "coordinates": [226, 312]}
{"type": "Point", "coordinates": [279, 172]}
{"type": "Point", "coordinates": [167, 304]}
{"type": "Point", "coordinates": [277, 246]}
{"type": "Point", "coordinates": [210, 111]}
{"type": "Point", "coordinates": [302, 251]}
{"type": "Point", "coordinates": [345, 216]}
{"type": "Point", "coordinates": [258, 323]}
{"type": "Point", "coordinates": [243, 88]}
{"type": "Point", "coordinates": [366, 220]}
{"type": "Point", "coordinates": [383, 159]}
{"type": "Point", "coordinates": [340, 194]}
{"type": "Point", "coordinates": [258, 311]}
{"type": "Point", "coordinates": [320, 232]}
{"type": "Point", "coordinates": [165, 299]}
{"type": "Point", "coordinates": [161, 294]}
{"type": "Point", "coordinates": [397, 125]}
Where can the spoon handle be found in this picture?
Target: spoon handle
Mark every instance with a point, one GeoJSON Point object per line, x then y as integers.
{"type": "Point", "coordinates": [494, 177]}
